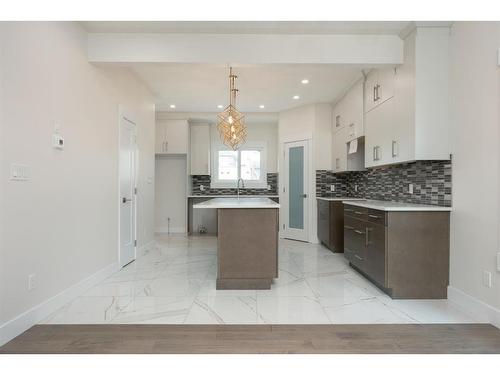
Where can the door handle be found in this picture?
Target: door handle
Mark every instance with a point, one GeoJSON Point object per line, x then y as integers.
{"type": "Point", "coordinates": [304, 195]}
{"type": "Point", "coordinates": [394, 149]}
{"type": "Point", "coordinates": [125, 200]}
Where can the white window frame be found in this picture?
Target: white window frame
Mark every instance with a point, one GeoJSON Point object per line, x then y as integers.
{"type": "Point", "coordinates": [215, 183]}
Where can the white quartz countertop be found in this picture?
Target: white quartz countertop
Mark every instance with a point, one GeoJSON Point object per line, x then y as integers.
{"type": "Point", "coordinates": [242, 202]}
{"type": "Point", "coordinates": [333, 199]}
{"type": "Point", "coordinates": [395, 206]}
{"type": "Point", "coordinates": [233, 196]}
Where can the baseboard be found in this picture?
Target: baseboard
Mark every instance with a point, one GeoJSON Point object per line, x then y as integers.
{"type": "Point", "coordinates": [141, 250]}
{"type": "Point", "coordinates": [165, 230]}
{"type": "Point", "coordinates": [29, 318]}
{"type": "Point", "coordinates": [477, 309]}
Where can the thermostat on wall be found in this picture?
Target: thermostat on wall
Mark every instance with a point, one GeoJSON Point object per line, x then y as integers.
{"type": "Point", "coordinates": [58, 141]}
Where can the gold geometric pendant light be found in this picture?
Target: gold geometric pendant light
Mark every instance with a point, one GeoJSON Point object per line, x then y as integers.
{"type": "Point", "coordinates": [231, 122]}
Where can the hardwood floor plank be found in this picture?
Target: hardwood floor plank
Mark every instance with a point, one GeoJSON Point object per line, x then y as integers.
{"type": "Point", "coordinates": [349, 338]}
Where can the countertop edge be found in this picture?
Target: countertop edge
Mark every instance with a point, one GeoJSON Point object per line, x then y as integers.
{"type": "Point", "coordinates": [401, 208]}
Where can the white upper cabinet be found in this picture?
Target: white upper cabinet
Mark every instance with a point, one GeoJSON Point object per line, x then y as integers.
{"type": "Point", "coordinates": [338, 119]}
{"type": "Point", "coordinates": [406, 118]}
{"type": "Point", "coordinates": [339, 150]}
{"type": "Point", "coordinates": [199, 150]}
{"type": "Point", "coordinates": [172, 137]}
{"type": "Point", "coordinates": [347, 126]}
{"type": "Point", "coordinates": [354, 111]}
{"type": "Point", "coordinates": [379, 87]}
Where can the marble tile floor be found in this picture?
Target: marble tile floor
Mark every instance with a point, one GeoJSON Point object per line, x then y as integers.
{"type": "Point", "coordinates": [174, 283]}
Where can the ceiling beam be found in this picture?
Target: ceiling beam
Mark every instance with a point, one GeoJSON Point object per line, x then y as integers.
{"type": "Point", "coordinates": [244, 49]}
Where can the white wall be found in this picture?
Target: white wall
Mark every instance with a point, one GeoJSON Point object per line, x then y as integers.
{"type": "Point", "coordinates": [62, 224]}
{"type": "Point", "coordinates": [312, 123]}
{"type": "Point", "coordinates": [170, 193]}
{"type": "Point", "coordinates": [475, 144]}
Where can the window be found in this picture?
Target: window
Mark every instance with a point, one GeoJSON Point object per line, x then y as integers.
{"type": "Point", "coordinates": [247, 163]}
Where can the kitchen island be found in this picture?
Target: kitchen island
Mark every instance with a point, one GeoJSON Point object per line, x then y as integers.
{"type": "Point", "coordinates": [247, 241]}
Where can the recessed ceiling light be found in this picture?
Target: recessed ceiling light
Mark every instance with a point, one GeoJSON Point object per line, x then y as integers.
{"type": "Point", "coordinates": [296, 97]}
{"type": "Point", "coordinates": [172, 106]}
{"type": "Point", "coordinates": [262, 106]}
{"type": "Point", "coordinates": [220, 106]}
{"type": "Point", "coordinates": [305, 81]}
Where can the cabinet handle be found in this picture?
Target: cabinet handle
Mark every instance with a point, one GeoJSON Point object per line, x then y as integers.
{"type": "Point", "coordinates": [337, 121]}
{"type": "Point", "coordinates": [166, 146]}
{"type": "Point", "coordinates": [394, 149]}
{"type": "Point", "coordinates": [347, 210]}
{"type": "Point", "coordinates": [374, 153]}
{"type": "Point", "coordinates": [359, 212]}
{"type": "Point", "coordinates": [358, 257]}
{"type": "Point", "coordinates": [348, 227]}
{"type": "Point", "coordinates": [376, 91]}
{"type": "Point", "coordinates": [373, 216]}
{"type": "Point", "coordinates": [367, 236]}
{"type": "Point", "coordinates": [358, 231]}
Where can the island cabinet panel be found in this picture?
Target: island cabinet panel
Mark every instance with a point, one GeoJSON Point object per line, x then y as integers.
{"type": "Point", "coordinates": [406, 254]}
{"type": "Point", "coordinates": [247, 248]}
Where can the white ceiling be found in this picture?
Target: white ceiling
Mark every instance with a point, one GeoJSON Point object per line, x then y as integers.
{"type": "Point", "coordinates": [248, 27]}
{"type": "Point", "coordinates": [201, 87]}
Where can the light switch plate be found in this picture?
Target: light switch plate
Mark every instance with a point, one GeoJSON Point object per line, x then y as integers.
{"type": "Point", "coordinates": [19, 172]}
{"type": "Point", "coordinates": [487, 279]}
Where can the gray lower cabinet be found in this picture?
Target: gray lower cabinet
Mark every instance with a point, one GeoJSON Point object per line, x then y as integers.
{"type": "Point", "coordinates": [406, 254]}
{"type": "Point", "coordinates": [330, 224]}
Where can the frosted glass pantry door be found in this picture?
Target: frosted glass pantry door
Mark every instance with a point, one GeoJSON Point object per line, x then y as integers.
{"type": "Point", "coordinates": [295, 189]}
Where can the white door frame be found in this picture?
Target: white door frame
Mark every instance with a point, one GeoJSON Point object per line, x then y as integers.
{"type": "Point", "coordinates": [127, 116]}
{"type": "Point", "coordinates": [291, 233]}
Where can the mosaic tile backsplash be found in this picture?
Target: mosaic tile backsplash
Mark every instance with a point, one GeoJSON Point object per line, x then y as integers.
{"type": "Point", "coordinates": [272, 180]}
{"type": "Point", "coordinates": [431, 183]}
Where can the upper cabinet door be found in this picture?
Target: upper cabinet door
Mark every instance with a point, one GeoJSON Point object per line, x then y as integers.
{"type": "Point", "coordinates": [339, 151]}
{"type": "Point", "coordinates": [386, 84]}
{"type": "Point", "coordinates": [371, 90]}
{"type": "Point", "coordinates": [354, 113]}
{"type": "Point", "coordinates": [338, 120]}
{"type": "Point", "coordinates": [160, 138]}
{"type": "Point", "coordinates": [172, 137]}
{"type": "Point", "coordinates": [200, 149]}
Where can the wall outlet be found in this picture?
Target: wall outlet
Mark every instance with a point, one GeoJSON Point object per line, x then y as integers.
{"type": "Point", "coordinates": [487, 279]}
{"type": "Point", "coordinates": [202, 187]}
{"type": "Point", "coordinates": [332, 187]}
{"type": "Point", "coordinates": [410, 188]}
{"type": "Point", "coordinates": [31, 281]}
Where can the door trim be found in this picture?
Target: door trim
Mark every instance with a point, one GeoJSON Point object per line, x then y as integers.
{"type": "Point", "coordinates": [286, 231]}
{"type": "Point", "coordinates": [123, 114]}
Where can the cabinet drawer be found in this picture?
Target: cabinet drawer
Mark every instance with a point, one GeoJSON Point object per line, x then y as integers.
{"type": "Point", "coordinates": [376, 216]}
{"type": "Point", "coordinates": [355, 241]}
{"type": "Point", "coordinates": [355, 212]}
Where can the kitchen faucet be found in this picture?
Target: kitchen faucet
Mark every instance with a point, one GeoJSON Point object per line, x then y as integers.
{"type": "Point", "coordinates": [238, 186]}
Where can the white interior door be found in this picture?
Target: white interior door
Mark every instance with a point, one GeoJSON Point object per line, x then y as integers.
{"type": "Point", "coordinates": [296, 191]}
{"type": "Point", "coordinates": [127, 191]}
